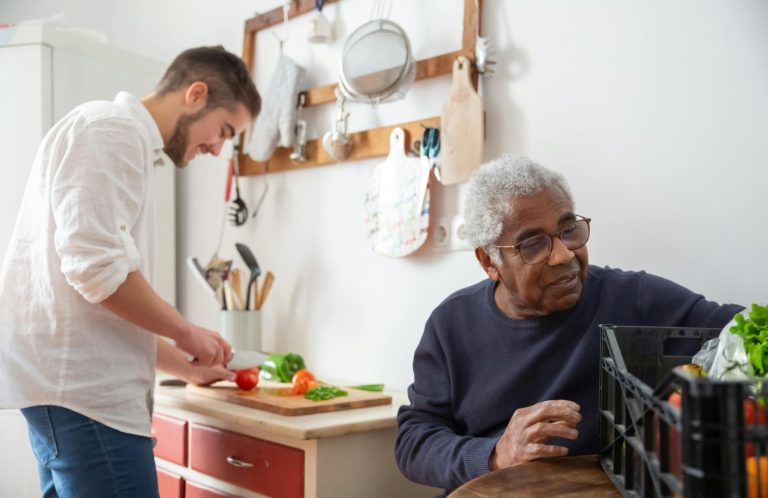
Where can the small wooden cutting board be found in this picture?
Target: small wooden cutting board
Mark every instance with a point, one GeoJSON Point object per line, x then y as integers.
{"type": "Point", "coordinates": [276, 400]}
{"type": "Point", "coordinates": [461, 128]}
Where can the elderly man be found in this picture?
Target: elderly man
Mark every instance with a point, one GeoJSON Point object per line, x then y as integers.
{"type": "Point", "coordinates": [507, 369]}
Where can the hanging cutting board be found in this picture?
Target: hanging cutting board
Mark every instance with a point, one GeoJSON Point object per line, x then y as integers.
{"type": "Point", "coordinates": [461, 127]}
{"type": "Point", "coordinates": [396, 206]}
{"type": "Point", "coordinates": [276, 400]}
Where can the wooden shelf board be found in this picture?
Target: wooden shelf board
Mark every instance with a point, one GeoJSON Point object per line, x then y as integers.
{"type": "Point", "coordinates": [275, 16]}
{"type": "Point", "coordinates": [427, 68]}
{"type": "Point", "coordinates": [367, 144]}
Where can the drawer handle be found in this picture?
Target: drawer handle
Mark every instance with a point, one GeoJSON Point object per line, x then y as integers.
{"type": "Point", "coordinates": [238, 463]}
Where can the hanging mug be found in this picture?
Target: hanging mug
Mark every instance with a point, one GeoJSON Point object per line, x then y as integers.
{"type": "Point", "coordinates": [337, 145]}
{"type": "Point", "coordinates": [319, 26]}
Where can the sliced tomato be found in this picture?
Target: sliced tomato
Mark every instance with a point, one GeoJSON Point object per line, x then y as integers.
{"type": "Point", "coordinates": [247, 378]}
{"type": "Point", "coordinates": [303, 380]}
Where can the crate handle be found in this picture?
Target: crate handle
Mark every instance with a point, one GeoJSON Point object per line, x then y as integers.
{"type": "Point", "coordinates": [610, 337]}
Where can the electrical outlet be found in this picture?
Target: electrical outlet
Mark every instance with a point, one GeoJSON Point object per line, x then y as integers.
{"type": "Point", "coordinates": [441, 234]}
{"type": "Point", "coordinates": [448, 234]}
{"type": "Point", "coordinates": [459, 240]}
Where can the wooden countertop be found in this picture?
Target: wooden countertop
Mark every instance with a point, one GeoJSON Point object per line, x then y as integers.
{"type": "Point", "coordinates": [575, 477]}
{"type": "Point", "coordinates": [315, 426]}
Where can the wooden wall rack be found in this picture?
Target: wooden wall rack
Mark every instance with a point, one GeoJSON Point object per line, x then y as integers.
{"type": "Point", "coordinates": [367, 143]}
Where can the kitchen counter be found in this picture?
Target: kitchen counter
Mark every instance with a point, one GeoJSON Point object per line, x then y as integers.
{"type": "Point", "coordinates": [213, 448]}
{"type": "Point", "coordinates": [315, 426]}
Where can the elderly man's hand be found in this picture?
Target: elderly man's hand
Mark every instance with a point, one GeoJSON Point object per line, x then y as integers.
{"type": "Point", "coordinates": [526, 435]}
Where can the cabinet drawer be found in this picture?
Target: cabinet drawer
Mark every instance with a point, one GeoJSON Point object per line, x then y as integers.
{"type": "Point", "coordinates": [169, 485]}
{"type": "Point", "coordinates": [171, 434]}
{"type": "Point", "coordinates": [194, 490]}
{"type": "Point", "coordinates": [262, 466]}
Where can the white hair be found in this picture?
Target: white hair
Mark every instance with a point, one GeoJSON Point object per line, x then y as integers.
{"type": "Point", "coordinates": [492, 188]}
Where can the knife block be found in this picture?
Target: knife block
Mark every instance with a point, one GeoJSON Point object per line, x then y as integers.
{"type": "Point", "coordinates": [242, 329]}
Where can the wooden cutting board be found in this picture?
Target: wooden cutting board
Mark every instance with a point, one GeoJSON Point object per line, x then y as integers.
{"type": "Point", "coordinates": [276, 400]}
{"type": "Point", "coordinates": [396, 220]}
{"type": "Point", "coordinates": [462, 130]}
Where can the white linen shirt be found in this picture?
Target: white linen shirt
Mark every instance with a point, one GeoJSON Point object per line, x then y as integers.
{"type": "Point", "coordinates": [86, 221]}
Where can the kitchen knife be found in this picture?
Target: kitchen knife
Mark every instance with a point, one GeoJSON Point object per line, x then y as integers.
{"type": "Point", "coordinates": [246, 359]}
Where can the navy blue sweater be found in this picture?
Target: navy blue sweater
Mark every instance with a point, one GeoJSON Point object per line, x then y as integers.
{"type": "Point", "coordinates": [475, 366]}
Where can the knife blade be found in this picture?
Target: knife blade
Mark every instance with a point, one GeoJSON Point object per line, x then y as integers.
{"type": "Point", "coordinates": [246, 359]}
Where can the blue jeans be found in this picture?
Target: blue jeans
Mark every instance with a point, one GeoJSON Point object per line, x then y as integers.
{"type": "Point", "coordinates": [81, 458]}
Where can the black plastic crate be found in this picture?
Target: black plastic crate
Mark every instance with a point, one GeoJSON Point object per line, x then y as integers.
{"type": "Point", "coordinates": [649, 447]}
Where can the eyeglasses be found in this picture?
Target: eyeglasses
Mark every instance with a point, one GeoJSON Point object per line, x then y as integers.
{"type": "Point", "coordinates": [537, 249]}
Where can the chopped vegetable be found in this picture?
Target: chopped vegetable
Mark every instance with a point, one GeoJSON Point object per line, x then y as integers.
{"type": "Point", "coordinates": [374, 388]}
{"type": "Point", "coordinates": [282, 367]}
{"type": "Point", "coordinates": [303, 380]}
{"type": "Point", "coordinates": [754, 333]}
{"type": "Point", "coordinates": [322, 393]}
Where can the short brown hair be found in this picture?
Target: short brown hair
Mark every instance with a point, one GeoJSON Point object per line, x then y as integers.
{"type": "Point", "coordinates": [226, 75]}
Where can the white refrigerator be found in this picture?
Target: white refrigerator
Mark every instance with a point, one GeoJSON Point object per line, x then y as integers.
{"type": "Point", "coordinates": [45, 71]}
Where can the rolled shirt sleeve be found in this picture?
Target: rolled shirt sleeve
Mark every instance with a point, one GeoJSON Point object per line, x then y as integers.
{"type": "Point", "coordinates": [97, 195]}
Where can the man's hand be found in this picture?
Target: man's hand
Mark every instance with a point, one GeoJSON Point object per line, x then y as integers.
{"type": "Point", "coordinates": [136, 302]}
{"type": "Point", "coordinates": [203, 376]}
{"type": "Point", "coordinates": [525, 437]}
{"type": "Point", "coordinates": [172, 360]}
{"type": "Point", "coordinates": [208, 347]}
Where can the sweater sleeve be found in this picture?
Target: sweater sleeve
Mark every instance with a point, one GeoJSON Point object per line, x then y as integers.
{"type": "Point", "coordinates": [429, 449]}
{"type": "Point", "coordinates": [665, 303]}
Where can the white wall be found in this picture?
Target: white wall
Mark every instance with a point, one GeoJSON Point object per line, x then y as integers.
{"type": "Point", "coordinates": [657, 113]}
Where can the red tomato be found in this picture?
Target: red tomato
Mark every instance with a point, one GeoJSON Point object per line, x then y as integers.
{"type": "Point", "coordinates": [247, 378]}
{"type": "Point", "coordinates": [303, 380]}
{"type": "Point", "coordinates": [675, 399]}
{"type": "Point", "coordinates": [754, 412]}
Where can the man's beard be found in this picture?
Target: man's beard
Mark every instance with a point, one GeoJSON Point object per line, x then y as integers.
{"type": "Point", "coordinates": [178, 143]}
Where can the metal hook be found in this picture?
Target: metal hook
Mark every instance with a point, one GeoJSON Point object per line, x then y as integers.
{"type": "Point", "coordinates": [300, 133]}
{"type": "Point", "coordinates": [284, 38]}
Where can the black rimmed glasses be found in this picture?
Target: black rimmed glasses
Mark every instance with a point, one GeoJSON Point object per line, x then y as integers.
{"type": "Point", "coordinates": [537, 249]}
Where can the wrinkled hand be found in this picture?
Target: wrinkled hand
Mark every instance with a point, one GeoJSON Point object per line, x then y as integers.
{"type": "Point", "coordinates": [525, 437]}
{"type": "Point", "coordinates": [207, 347]}
{"type": "Point", "coordinates": [203, 376]}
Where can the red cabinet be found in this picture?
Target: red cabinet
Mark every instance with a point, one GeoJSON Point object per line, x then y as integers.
{"type": "Point", "coordinates": [171, 435]}
{"type": "Point", "coordinates": [261, 466]}
{"type": "Point", "coordinates": [194, 490]}
{"type": "Point", "coordinates": [169, 485]}
{"type": "Point", "coordinates": [267, 468]}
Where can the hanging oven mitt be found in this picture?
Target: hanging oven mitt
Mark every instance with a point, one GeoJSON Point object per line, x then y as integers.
{"type": "Point", "coordinates": [276, 123]}
{"type": "Point", "coordinates": [396, 211]}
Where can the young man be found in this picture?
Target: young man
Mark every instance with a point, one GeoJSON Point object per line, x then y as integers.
{"type": "Point", "coordinates": [78, 319]}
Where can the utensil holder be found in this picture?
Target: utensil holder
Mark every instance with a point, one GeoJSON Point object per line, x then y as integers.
{"type": "Point", "coordinates": [242, 329]}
